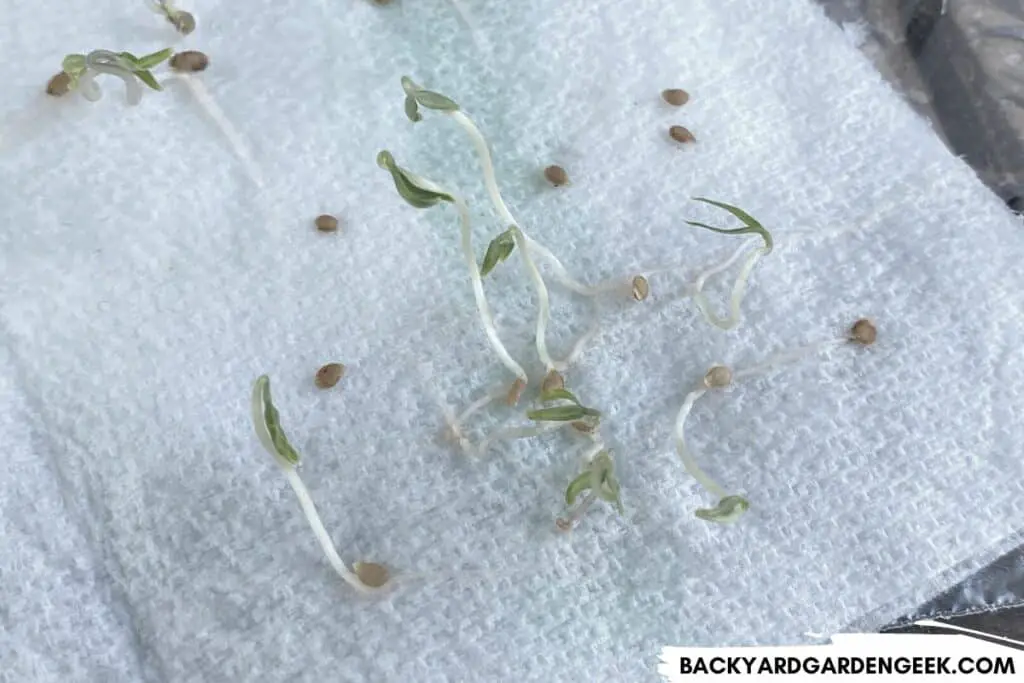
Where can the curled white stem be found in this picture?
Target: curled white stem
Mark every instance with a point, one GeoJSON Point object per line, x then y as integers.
{"type": "Point", "coordinates": [313, 517]}
{"type": "Point", "coordinates": [238, 145]}
{"type": "Point", "coordinates": [106, 62]}
{"type": "Point", "coordinates": [689, 462]}
{"type": "Point", "coordinates": [486, 319]}
{"type": "Point", "coordinates": [564, 278]}
{"type": "Point", "coordinates": [731, 321]}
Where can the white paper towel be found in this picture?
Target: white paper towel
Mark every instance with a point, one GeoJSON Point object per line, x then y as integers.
{"type": "Point", "coordinates": [146, 283]}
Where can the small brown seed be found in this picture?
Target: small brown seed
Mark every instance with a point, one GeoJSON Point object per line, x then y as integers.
{"type": "Point", "coordinates": [183, 21]}
{"type": "Point", "coordinates": [641, 288]}
{"type": "Point", "coordinates": [326, 223]}
{"type": "Point", "coordinates": [717, 377]}
{"type": "Point", "coordinates": [329, 375]}
{"type": "Point", "coordinates": [59, 85]}
{"type": "Point", "coordinates": [515, 392]}
{"type": "Point", "coordinates": [553, 380]}
{"type": "Point", "coordinates": [190, 60]}
{"type": "Point", "coordinates": [681, 134]}
{"type": "Point", "coordinates": [864, 332]}
{"type": "Point", "coordinates": [556, 175]}
{"type": "Point", "coordinates": [371, 574]}
{"type": "Point", "coordinates": [677, 97]}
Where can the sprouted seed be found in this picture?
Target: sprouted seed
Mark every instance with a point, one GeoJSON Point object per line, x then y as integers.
{"type": "Point", "coordinates": [189, 61]}
{"type": "Point", "coordinates": [81, 71]}
{"type": "Point", "coordinates": [730, 507]}
{"type": "Point", "coordinates": [556, 175]}
{"type": "Point", "coordinates": [677, 97]}
{"type": "Point", "coordinates": [371, 574]}
{"type": "Point", "coordinates": [267, 423]}
{"type": "Point", "coordinates": [326, 223]}
{"type": "Point", "coordinates": [717, 377]}
{"type": "Point", "coordinates": [421, 193]}
{"type": "Point", "coordinates": [515, 392]}
{"type": "Point", "coordinates": [552, 382]}
{"type": "Point", "coordinates": [329, 375]}
{"type": "Point", "coordinates": [864, 332]}
{"type": "Point", "coordinates": [681, 134]}
{"type": "Point", "coordinates": [641, 288]}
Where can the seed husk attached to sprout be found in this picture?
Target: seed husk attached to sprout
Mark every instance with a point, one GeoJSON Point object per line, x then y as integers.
{"type": "Point", "coordinates": [59, 85]}
{"type": "Point", "coordinates": [584, 426]}
{"type": "Point", "coordinates": [326, 223]}
{"type": "Point", "coordinates": [717, 377]}
{"type": "Point", "coordinates": [677, 97]}
{"type": "Point", "coordinates": [371, 574]}
{"type": "Point", "coordinates": [553, 380]}
{"type": "Point", "coordinates": [189, 61]}
{"type": "Point", "coordinates": [681, 134]}
{"type": "Point", "coordinates": [864, 332]}
{"type": "Point", "coordinates": [515, 392]}
{"type": "Point", "coordinates": [556, 175]}
{"type": "Point", "coordinates": [641, 288]}
{"type": "Point", "coordinates": [329, 375]}
{"type": "Point", "coordinates": [183, 22]}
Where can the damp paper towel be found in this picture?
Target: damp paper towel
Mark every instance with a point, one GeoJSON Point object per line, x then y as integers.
{"type": "Point", "coordinates": [147, 281]}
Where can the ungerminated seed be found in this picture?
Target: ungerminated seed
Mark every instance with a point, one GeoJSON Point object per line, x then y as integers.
{"type": "Point", "coordinates": [371, 574]}
{"type": "Point", "coordinates": [556, 175]}
{"type": "Point", "coordinates": [59, 85]}
{"type": "Point", "coordinates": [190, 61]}
{"type": "Point", "coordinates": [641, 288]}
{"type": "Point", "coordinates": [329, 375]}
{"type": "Point", "coordinates": [515, 392]}
{"type": "Point", "coordinates": [184, 22]}
{"type": "Point", "coordinates": [717, 377]}
{"type": "Point", "coordinates": [553, 380]}
{"type": "Point", "coordinates": [326, 223]}
{"type": "Point", "coordinates": [681, 134]}
{"type": "Point", "coordinates": [864, 332]}
{"type": "Point", "coordinates": [677, 97]}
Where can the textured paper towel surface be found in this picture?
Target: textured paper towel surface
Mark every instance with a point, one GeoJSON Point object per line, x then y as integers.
{"type": "Point", "coordinates": [146, 283]}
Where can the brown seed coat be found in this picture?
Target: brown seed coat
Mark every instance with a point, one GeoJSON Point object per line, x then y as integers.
{"type": "Point", "coordinates": [326, 223]}
{"type": "Point", "coordinates": [553, 380]}
{"type": "Point", "coordinates": [864, 332]}
{"type": "Point", "coordinates": [515, 392]}
{"type": "Point", "coordinates": [556, 175]}
{"type": "Point", "coordinates": [677, 97]}
{"type": "Point", "coordinates": [371, 574]}
{"type": "Point", "coordinates": [681, 134]}
{"type": "Point", "coordinates": [329, 375]}
{"type": "Point", "coordinates": [59, 85]}
{"type": "Point", "coordinates": [190, 61]}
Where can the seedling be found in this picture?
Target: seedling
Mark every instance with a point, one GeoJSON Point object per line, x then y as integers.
{"type": "Point", "coordinates": [750, 226]}
{"type": "Point", "coordinates": [599, 482]}
{"type": "Point", "coordinates": [329, 375]}
{"type": "Point", "coordinates": [365, 577]}
{"type": "Point", "coordinates": [182, 21]}
{"type": "Point", "coordinates": [675, 96]}
{"type": "Point", "coordinates": [731, 507]}
{"type": "Point", "coordinates": [421, 193]}
{"type": "Point", "coordinates": [78, 72]}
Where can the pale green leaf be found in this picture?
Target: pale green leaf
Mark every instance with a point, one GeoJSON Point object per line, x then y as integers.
{"type": "Point", "coordinates": [154, 59]}
{"type": "Point", "coordinates": [728, 510]}
{"type": "Point", "coordinates": [412, 109]}
{"type": "Point", "coordinates": [576, 487]}
{"type": "Point", "coordinates": [146, 77]}
{"type": "Point", "coordinates": [267, 422]}
{"type": "Point", "coordinates": [435, 101]}
{"type": "Point", "coordinates": [558, 414]}
{"type": "Point", "coordinates": [498, 250]}
{"type": "Point", "coordinates": [752, 225]}
{"type": "Point", "coordinates": [414, 194]}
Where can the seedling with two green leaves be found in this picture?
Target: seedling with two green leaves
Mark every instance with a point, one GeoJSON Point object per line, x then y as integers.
{"type": "Point", "coordinates": [79, 71]}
